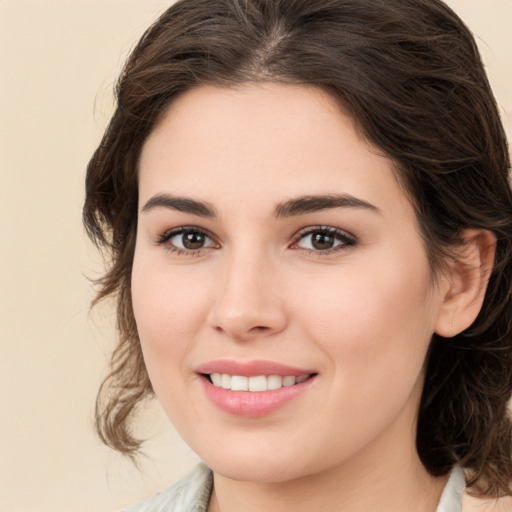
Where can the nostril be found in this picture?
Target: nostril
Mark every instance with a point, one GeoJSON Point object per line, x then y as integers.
{"type": "Point", "coordinates": [248, 321]}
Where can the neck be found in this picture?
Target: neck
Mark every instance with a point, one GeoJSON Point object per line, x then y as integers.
{"type": "Point", "coordinates": [412, 490]}
{"type": "Point", "coordinates": [375, 488]}
{"type": "Point", "coordinates": [386, 476]}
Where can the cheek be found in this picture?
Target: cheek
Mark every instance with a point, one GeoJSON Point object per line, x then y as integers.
{"type": "Point", "coordinates": [169, 308]}
{"type": "Point", "coordinates": [374, 330]}
{"type": "Point", "coordinates": [165, 297]}
{"type": "Point", "coordinates": [374, 326]}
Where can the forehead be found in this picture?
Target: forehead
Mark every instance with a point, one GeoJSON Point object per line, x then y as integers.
{"type": "Point", "coordinates": [261, 142]}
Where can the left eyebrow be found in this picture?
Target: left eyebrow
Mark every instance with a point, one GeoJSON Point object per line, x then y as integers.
{"type": "Point", "coordinates": [310, 204]}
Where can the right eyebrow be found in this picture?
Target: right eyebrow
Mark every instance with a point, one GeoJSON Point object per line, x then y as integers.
{"type": "Point", "coordinates": [181, 204]}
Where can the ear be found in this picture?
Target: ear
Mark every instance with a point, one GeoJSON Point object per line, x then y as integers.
{"type": "Point", "coordinates": [465, 282]}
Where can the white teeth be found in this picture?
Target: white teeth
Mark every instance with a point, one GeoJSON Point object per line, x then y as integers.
{"type": "Point", "coordinates": [225, 381]}
{"type": "Point", "coordinates": [239, 383]}
{"type": "Point", "coordinates": [274, 382]}
{"type": "Point", "coordinates": [289, 381]}
{"type": "Point", "coordinates": [258, 383]}
{"type": "Point", "coordinates": [255, 384]}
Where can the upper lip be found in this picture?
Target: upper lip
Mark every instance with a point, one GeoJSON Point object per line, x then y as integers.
{"type": "Point", "coordinates": [251, 368]}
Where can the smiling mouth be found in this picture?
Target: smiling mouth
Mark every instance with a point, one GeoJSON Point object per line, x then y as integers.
{"type": "Point", "coordinates": [256, 384]}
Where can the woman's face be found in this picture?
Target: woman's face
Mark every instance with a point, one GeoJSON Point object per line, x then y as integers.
{"type": "Point", "coordinates": [273, 243]}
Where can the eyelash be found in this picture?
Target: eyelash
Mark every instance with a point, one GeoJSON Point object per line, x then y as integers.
{"type": "Point", "coordinates": [346, 240]}
{"type": "Point", "coordinates": [164, 239]}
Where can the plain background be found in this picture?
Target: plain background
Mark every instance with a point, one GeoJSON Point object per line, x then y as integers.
{"type": "Point", "coordinates": [58, 62]}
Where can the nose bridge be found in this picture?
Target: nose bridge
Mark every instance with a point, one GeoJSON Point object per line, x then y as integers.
{"type": "Point", "coordinates": [248, 301]}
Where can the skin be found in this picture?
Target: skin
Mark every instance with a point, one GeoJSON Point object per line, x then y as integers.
{"type": "Point", "coordinates": [475, 504]}
{"type": "Point", "coordinates": [361, 314]}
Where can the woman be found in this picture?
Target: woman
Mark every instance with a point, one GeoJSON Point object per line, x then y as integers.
{"type": "Point", "coordinates": [310, 222]}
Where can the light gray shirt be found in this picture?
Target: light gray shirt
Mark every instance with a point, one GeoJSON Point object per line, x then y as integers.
{"type": "Point", "coordinates": [192, 494]}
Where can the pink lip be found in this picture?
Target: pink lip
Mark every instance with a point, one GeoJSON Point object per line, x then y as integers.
{"type": "Point", "coordinates": [247, 404]}
{"type": "Point", "coordinates": [251, 368]}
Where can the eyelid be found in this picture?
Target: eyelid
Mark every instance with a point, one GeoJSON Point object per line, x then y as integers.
{"type": "Point", "coordinates": [165, 237]}
{"type": "Point", "coordinates": [347, 239]}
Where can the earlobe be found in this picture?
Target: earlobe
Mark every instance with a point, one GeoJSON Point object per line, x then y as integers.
{"type": "Point", "coordinates": [466, 282]}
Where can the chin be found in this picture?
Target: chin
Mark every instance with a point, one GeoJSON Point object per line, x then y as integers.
{"type": "Point", "coordinates": [265, 472]}
{"type": "Point", "coordinates": [258, 464]}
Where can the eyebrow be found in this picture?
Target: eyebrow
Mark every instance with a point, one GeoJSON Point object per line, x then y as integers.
{"type": "Point", "coordinates": [181, 204]}
{"type": "Point", "coordinates": [309, 204]}
{"type": "Point", "coordinates": [293, 207]}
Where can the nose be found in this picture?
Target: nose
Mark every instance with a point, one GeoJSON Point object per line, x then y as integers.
{"type": "Point", "coordinates": [248, 303]}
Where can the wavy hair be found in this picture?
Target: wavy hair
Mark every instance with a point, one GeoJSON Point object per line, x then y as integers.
{"type": "Point", "coordinates": [410, 75]}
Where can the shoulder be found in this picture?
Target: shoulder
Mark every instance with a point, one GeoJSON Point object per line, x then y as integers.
{"type": "Point", "coordinates": [474, 504]}
{"type": "Point", "coordinates": [190, 494]}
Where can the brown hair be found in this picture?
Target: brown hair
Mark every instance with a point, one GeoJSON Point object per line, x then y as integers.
{"type": "Point", "coordinates": [409, 73]}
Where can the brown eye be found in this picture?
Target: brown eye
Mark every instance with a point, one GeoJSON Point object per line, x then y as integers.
{"type": "Point", "coordinates": [193, 240]}
{"type": "Point", "coordinates": [186, 239]}
{"type": "Point", "coordinates": [324, 239]}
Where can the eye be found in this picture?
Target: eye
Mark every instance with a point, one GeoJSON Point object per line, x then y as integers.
{"type": "Point", "coordinates": [324, 239]}
{"type": "Point", "coordinates": [186, 240]}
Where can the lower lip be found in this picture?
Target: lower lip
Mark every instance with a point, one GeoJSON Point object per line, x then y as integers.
{"type": "Point", "coordinates": [253, 404]}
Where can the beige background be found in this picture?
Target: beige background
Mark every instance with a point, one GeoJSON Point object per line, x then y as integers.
{"type": "Point", "coordinates": [58, 61]}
